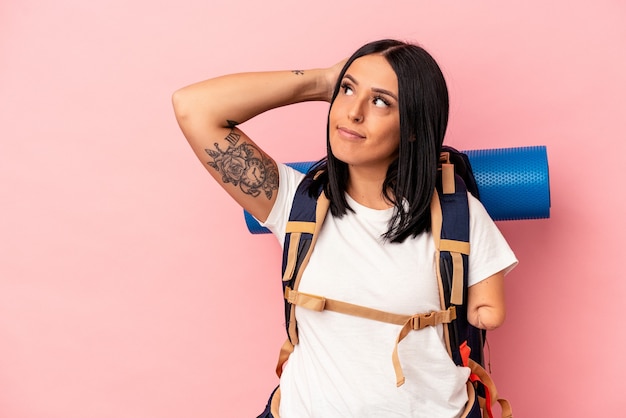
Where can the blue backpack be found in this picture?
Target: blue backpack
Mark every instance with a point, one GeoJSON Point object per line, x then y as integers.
{"type": "Point", "coordinates": [450, 229]}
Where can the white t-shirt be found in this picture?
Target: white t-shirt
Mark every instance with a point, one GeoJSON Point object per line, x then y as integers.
{"type": "Point", "coordinates": [342, 366]}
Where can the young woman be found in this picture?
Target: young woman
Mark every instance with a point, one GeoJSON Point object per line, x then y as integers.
{"type": "Point", "coordinates": [386, 125]}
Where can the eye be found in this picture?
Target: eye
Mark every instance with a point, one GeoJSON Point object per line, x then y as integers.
{"type": "Point", "coordinates": [380, 102]}
{"type": "Point", "coordinates": [347, 89]}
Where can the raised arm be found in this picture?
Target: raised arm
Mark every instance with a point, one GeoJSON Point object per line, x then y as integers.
{"type": "Point", "coordinates": [486, 307]}
{"type": "Point", "coordinates": [208, 113]}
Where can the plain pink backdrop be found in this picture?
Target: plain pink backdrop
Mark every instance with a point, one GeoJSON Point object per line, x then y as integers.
{"type": "Point", "coordinates": [129, 285]}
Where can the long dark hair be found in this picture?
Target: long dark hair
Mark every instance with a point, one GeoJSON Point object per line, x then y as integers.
{"type": "Point", "coordinates": [411, 177]}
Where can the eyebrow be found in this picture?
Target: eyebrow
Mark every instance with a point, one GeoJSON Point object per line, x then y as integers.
{"type": "Point", "coordinates": [374, 89]}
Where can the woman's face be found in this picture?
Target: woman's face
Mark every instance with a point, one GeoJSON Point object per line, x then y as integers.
{"type": "Point", "coordinates": [364, 128]}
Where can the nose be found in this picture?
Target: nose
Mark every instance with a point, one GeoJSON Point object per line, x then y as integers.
{"type": "Point", "coordinates": [355, 111]}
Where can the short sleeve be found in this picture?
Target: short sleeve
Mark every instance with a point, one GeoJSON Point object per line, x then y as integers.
{"type": "Point", "coordinates": [289, 179]}
{"type": "Point", "coordinates": [489, 253]}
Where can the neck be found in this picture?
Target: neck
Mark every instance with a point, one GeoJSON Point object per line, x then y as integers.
{"type": "Point", "coordinates": [366, 188]}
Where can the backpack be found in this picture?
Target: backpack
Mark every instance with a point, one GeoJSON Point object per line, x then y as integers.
{"type": "Point", "coordinates": [450, 230]}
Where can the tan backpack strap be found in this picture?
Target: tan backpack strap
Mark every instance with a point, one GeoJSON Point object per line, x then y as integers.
{"type": "Point", "coordinates": [296, 229]}
{"type": "Point", "coordinates": [447, 179]}
{"type": "Point", "coordinates": [320, 213]}
{"type": "Point", "coordinates": [300, 226]}
{"type": "Point", "coordinates": [436, 222]}
{"type": "Point", "coordinates": [414, 323]}
{"type": "Point", "coordinates": [292, 255]}
{"type": "Point", "coordinates": [456, 248]}
{"type": "Point", "coordinates": [448, 185]}
{"type": "Point", "coordinates": [319, 303]}
{"type": "Point", "coordinates": [285, 352]}
{"type": "Point", "coordinates": [408, 322]}
{"type": "Point", "coordinates": [478, 373]}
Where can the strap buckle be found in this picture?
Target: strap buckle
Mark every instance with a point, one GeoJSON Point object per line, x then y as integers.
{"type": "Point", "coordinates": [430, 319]}
{"type": "Point", "coordinates": [421, 321]}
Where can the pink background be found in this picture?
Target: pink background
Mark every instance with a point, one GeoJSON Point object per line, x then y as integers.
{"type": "Point", "coordinates": [129, 285]}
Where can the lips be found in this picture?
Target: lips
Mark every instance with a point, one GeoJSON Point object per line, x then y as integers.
{"type": "Point", "coordinates": [349, 133]}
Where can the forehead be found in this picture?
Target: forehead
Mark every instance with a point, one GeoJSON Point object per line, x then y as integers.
{"type": "Point", "coordinates": [373, 71]}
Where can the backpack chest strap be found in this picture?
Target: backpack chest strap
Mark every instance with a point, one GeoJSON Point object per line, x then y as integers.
{"type": "Point", "coordinates": [408, 322]}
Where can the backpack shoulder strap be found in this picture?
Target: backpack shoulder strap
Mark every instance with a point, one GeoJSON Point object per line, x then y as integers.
{"type": "Point", "coordinates": [450, 223]}
{"type": "Point", "coordinates": [450, 230]}
{"type": "Point", "coordinates": [305, 221]}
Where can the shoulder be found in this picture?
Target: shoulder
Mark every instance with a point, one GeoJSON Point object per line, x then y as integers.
{"type": "Point", "coordinates": [289, 179]}
{"type": "Point", "coordinates": [476, 208]}
{"type": "Point", "coordinates": [490, 252]}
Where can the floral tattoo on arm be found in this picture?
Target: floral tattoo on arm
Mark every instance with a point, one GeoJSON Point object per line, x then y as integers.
{"type": "Point", "coordinates": [244, 165]}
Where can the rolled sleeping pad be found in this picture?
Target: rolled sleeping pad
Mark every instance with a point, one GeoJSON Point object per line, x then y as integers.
{"type": "Point", "coordinates": [513, 183]}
